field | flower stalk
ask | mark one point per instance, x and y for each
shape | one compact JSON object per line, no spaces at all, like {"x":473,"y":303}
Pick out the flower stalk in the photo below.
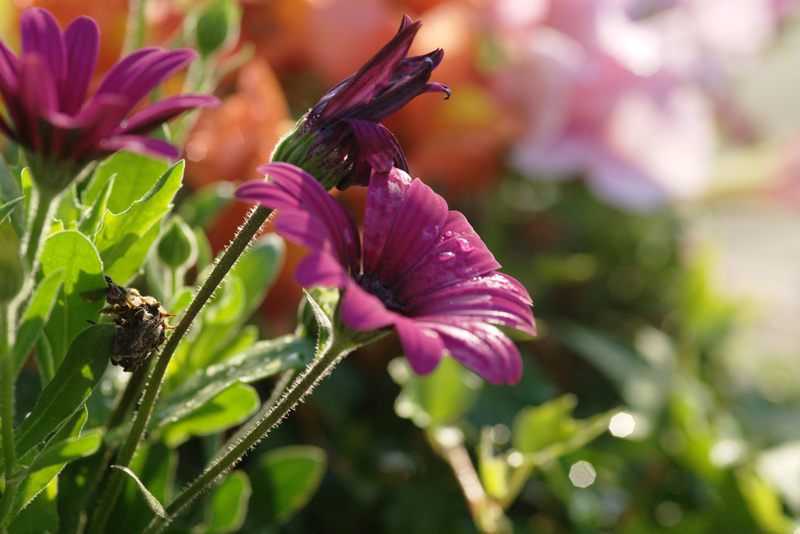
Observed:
{"x":240,"y":243}
{"x":7,"y":407}
{"x":301,"y":387}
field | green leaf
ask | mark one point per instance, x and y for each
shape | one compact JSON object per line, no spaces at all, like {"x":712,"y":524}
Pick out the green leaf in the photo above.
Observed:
{"x":121,"y":231}
{"x":155,"y":467}
{"x":92,"y":218}
{"x":8,"y":207}
{"x":227,"y":409}
{"x":9,"y":190}
{"x":284,"y":481}
{"x":68,"y":449}
{"x":264,"y":359}
{"x":78,"y":375}
{"x":152,"y":502}
{"x":41,"y":515}
{"x":130,"y":263}
{"x":549,"y":430}
{"x":229,"y":504}
{"x":83,"y":275}
{"x":324,"y":325}
{"x":135,"y":175}
{"x":438,"y":398}
{"x":35,"y":317}
{"x":236,"y":300}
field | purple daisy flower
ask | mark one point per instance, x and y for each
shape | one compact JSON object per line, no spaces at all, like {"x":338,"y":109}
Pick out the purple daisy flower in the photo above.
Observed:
{"x":419,"y":268}
{"x":45,"y":89}
{"x":342,"y":136}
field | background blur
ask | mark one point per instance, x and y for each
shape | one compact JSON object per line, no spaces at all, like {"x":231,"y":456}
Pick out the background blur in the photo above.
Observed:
{"x":636,"y":165}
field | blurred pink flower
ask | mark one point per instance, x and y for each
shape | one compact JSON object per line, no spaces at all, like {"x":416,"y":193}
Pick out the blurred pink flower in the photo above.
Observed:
{"x":418,"y":268}
{"x":601,"y":100}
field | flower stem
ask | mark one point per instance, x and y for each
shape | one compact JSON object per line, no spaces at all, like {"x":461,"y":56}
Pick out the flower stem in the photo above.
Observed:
{"x":303,"y":385}
{"x":7,"y":406}
{"x":44,"y":206}
{"x":134,"y":33}
{"x":225,"y":263}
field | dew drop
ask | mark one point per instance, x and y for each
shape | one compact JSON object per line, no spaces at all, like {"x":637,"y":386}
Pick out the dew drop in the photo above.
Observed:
{"x":446,"y":256}
{"x":448,"y":233}
{"x":464,"y":245}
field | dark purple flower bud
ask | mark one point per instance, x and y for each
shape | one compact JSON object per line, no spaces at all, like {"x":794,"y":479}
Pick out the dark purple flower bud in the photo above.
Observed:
{"x":45,"y":94}
{"x":341,"y":139}
{"x":418,"y":268}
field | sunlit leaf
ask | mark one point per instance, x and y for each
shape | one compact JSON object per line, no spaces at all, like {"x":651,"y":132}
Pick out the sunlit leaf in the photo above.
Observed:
{"x":229,"y":504}
{"x":284,"y":481}
{"x":227,"y":409}
{"x":151,"y":501}
{"x":263,"y":359}
{"x":36,"y":315}
{"x":75,"y":379}
{"x":438,"y":398}
{"x":83,"y":275}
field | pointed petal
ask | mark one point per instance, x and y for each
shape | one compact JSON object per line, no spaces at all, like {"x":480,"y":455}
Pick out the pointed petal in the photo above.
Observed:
{"x":9,"y":72}
{"x":375,"y":143}
{"x":160,"y":112}
{"x":371,"y":78}
{"x":82,"y":38}
{"x":37,"y":100}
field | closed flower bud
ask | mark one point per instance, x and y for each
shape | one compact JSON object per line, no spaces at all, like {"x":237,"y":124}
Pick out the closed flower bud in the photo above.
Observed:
{"x":217,"y":26}
{"x":177,"y":247}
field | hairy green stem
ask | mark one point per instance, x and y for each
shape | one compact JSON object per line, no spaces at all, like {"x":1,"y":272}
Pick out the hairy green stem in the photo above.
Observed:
{"x":7,"y":406}
{"x":225,"y":263}
{"x":303,"y":385}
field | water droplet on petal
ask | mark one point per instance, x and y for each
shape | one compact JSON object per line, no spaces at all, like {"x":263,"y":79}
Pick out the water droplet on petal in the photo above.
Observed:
{"x":464,"y":245}
{"x":446,"y":256}
{"x":448,"y":233}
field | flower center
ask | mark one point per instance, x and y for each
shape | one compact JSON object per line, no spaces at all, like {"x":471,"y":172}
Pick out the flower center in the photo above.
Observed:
{"x":374,"y":286}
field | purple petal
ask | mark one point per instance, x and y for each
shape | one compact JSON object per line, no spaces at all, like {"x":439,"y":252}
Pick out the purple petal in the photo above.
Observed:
{"x":160,"y":112}
{"x":97,"y":120}
{"x":121,"y":71}
{"x":375,"y":143}
{"x":421,"y":345}
{"x":151,"y":70}
{"x":372,"y":77}
{"x":307,"y":230}
{"x":459,"y":255}
{"x":37,"y":100}
{"x":140,"y":145}
{"x":82,"y":38}
{"x":483,"y":349}
{"x":9,"y":71}
{"x":294,"y":188}
{"x":363,"y":311}
{"x":496,"y":299}
{"x":415,"y":227}
{"x":320,"y":269}
{"x":384,"y":199}
{"x":40,"y":34}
